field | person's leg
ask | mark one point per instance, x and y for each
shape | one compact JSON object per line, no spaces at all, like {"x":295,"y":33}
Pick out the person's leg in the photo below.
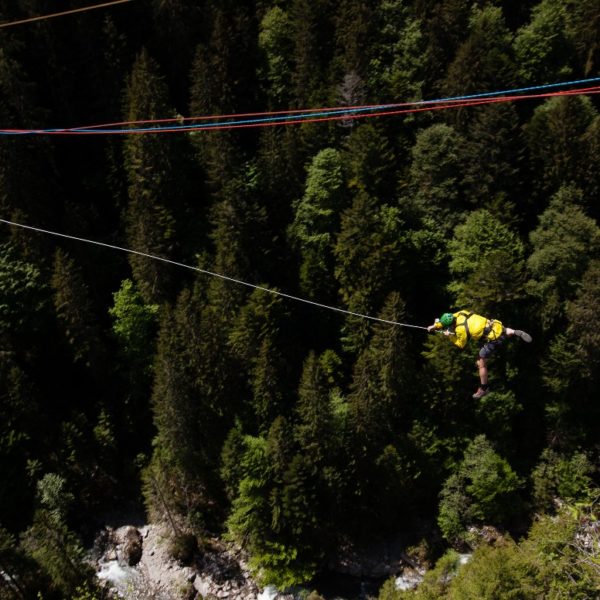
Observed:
{"x":485,"y":351}
{"x":483,"y":372}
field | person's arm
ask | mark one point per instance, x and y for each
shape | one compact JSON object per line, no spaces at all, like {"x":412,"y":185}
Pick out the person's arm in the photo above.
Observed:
{"x":436,"y":325}
{"x":459,"y":337}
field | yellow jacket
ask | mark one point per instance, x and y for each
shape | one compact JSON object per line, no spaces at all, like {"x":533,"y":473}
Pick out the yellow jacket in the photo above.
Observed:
{"x":469,"y":325}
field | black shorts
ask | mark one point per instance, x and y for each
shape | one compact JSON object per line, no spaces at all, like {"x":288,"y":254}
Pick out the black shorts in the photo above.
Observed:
{"x":490,"y":347}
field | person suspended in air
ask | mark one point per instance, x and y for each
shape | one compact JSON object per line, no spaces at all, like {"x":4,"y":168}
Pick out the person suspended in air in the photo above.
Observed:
{"x":464,"y":325}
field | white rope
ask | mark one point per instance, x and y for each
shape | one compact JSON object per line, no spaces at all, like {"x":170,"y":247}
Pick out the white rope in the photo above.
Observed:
{"x":212,"y":274}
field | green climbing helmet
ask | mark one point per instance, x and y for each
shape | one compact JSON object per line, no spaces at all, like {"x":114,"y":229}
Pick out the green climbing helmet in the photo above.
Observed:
{"x":447,"y":319}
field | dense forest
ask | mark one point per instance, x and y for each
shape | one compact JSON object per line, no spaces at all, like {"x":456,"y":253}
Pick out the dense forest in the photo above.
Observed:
{"x":294,"y":431}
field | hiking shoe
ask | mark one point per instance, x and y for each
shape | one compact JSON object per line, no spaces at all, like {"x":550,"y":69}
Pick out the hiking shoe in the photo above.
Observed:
{"x":480,"y":393}
{"x":523,"y":335}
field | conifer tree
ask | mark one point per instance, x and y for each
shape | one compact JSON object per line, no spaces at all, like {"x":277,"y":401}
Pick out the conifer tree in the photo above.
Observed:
{"x":311,"y":37}
{"x":316,"y":222}
{"x":555,"y":140}
{"x":444,"y":24}
{"x":542,"y":47}
{"x":564,"y":242}
{"x":27,"y":167}
{"x":257,"y":343}
{"x":275,"y":42}
{"x":75,"y":311}
{"x":398,"y":51}
{"x":379,"y":411}
{"x":51,"y":543}
{"x":370,"y":162}
{"x":435,"y":176}
{"x":484,"y":489}
{"x":19,"y":405}
{"x":487,"y":271}
{"x":493,"y":154}
{"x":582,"y":19}
{"x":150,"y":162}
{"x":484,"y":60}
{"x":367,"y":261}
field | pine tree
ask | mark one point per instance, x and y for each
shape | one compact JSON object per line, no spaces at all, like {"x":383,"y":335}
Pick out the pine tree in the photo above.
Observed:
{"x":275,"y":42}
{"x":444,"y":25}
{"x":370,"y":162}
{"x":257,"y":343}
{"x":27,"y":166}
{"x":484,"y":61}
{"x":367,"y":252}
{"x":397,"y":58}
{"x":314,"y":431}
{"x":555,"y":140}
{"x":379,"y":412}
{"x":582,"y":19}
{"x":194,"y":400}
{"x":492,"y":155}
{"x":564,"y":242}
{"x":380,"y":398}
{"x":542,"y":47}
{"x":19,"y":405}
{"x":75,"y":311}
{"x":153,"y":184}
{"x":51,"y":543}
{"x":484,"y":489}
{"x":316,"y":222}
{"x":435,"y":178}
{"x":487,"y":271}
{"x":311,"y":52}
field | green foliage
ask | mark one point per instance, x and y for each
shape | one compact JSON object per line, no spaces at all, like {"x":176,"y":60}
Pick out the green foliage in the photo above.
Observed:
{"x":484,"y":489}
{"x":555,"y":137}
{"x":369,"y":159}
{"x":317,"y":221}
{"x":552,"y":562}
{"x":484,"y":60}
{"x":542,"y":49}
{"x":151,"y":177}
{"x":367,"y":261}
{"x":74,"y":310}
{"x":563,"y":243}
{"x":303,"y":432}
{"x":559,"y":477}
{"x":486,"y":262}
{"x":435,"y":175}
{"x":134,"y":324}
{"x":23,"y":293}
{"x":397,"y":64}
{"x":50,"y":542}
{"x":275,"y":41}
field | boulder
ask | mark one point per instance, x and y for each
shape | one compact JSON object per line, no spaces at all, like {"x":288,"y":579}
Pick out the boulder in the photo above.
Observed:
{"x":132,"y":546}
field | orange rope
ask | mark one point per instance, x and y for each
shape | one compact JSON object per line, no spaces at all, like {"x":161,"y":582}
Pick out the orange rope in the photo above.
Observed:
{"x":63,"y":13}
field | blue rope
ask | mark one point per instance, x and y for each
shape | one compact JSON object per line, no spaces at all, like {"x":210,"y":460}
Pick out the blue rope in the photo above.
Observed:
{"x":288,"y":118}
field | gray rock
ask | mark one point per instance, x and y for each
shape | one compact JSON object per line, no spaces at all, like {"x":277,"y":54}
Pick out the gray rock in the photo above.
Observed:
{"x":132,"y":546}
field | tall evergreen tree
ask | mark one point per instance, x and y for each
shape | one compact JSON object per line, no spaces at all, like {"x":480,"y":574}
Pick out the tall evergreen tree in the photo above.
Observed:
{"x":484,"y":61}
{"x":397,"y":58}
{"x":487,"y":271}
{"x":276,"y":43}
{"x":150,"y":162}
{"x":435,"y":176}
{"x":27,"y":167}
{"x":75,"y":311}
{"x":317,"y":220}
{"x":555,"y":140}
{"x":564,"y":242}
{"x":542,"y":48}
{"x":367,"y":256}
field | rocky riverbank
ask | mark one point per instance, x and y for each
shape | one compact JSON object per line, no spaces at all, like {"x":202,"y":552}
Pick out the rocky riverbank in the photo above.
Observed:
{"x":137,"y":563}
